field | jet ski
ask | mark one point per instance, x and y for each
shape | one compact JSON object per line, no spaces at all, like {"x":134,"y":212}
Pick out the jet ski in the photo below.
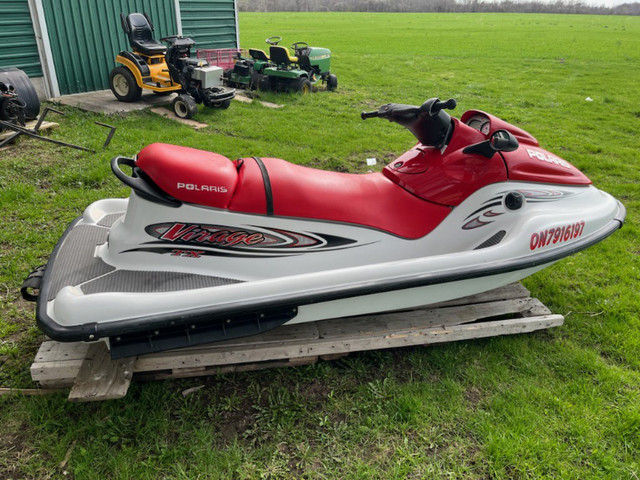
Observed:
{"x":207,"y":249}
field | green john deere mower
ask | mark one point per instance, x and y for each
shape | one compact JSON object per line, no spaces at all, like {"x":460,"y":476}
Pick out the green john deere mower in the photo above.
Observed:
{"x":279,"y":71}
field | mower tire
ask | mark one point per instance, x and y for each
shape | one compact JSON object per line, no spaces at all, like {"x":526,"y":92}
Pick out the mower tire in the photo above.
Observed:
{"x":222,"y":105}
{"x":302,"y":85}
{"x":264,"y":83}
{"x":185,"y":106}
{"x":123,"y":85}
{"x":332,"y":82}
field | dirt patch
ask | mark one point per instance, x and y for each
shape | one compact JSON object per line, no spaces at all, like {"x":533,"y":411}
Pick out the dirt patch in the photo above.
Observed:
{"x":14,"y":451}
{"x":474,"y":396}
{"x":315,"y":391}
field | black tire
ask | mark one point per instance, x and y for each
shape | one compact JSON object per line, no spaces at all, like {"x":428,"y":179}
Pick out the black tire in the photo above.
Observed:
{"x":254,"y":83}
{"x":264,"y":83}
{"x":222,"y":105}
{"x":332,"y":82}
{"x":185,"y":106}
{"x":123,"y":85}
{"x":25,"y":89}
{"x":302,"y":85}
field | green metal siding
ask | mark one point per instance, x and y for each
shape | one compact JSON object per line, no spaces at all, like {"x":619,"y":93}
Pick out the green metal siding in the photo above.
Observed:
{"x":211,"y":23}
{"x":18,"y":47}
{"x":86,"y":35}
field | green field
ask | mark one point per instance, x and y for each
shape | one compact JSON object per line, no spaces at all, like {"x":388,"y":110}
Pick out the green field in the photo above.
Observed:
{"x":561,"y":404}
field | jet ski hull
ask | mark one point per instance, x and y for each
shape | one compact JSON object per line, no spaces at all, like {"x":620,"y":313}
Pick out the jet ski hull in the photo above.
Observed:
{"x":128,"y":271}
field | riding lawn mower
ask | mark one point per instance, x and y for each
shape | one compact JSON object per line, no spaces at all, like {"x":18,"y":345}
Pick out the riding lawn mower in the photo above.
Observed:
{"x":165,"y":70}
{"x":280,"y":71}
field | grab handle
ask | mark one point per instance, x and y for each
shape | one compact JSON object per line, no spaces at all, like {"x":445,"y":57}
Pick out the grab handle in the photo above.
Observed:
{"x":140,"y":184}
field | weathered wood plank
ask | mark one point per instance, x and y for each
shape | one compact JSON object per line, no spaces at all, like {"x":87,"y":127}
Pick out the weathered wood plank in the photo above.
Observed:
{"x":224,"y":356}
{"x":537,"y":308}
{"x":285,"y":340}
{"x":438,"y":335}
{"x":52,"y":351}
{"x":419,"y":319}
{"x":513,"y":290}
{"x":59,"y":361}
{"x":43,"y":371}
{"x":30,"y":391}
{"x":101,"y":378}
{"x":219,"y":370}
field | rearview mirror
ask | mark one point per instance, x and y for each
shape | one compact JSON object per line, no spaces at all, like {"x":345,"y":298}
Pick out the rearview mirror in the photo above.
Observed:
{"x":503,"y":141}
{"x":500,"y":141}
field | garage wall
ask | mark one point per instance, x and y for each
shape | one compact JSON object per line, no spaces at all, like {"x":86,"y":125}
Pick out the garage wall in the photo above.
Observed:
{"x":85,"y":36}
{"x":211,"y":23}
{"x":18,"y":47}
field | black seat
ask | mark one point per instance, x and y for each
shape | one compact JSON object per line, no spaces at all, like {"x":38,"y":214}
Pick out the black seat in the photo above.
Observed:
{"x":280,"y":56}
{"x":139,"y":30}
{"x":257,"y":54}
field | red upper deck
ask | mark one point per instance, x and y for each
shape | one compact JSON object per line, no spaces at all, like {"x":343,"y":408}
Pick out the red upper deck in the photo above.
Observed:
{"x":209,"y":179}
{"x":416,"y":192}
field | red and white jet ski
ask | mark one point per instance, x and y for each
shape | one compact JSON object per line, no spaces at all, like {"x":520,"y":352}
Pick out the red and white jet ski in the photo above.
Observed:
{"x":206,"y":248}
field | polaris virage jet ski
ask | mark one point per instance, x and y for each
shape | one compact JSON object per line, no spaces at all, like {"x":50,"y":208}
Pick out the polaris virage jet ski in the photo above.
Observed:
{"x":206,"y":248}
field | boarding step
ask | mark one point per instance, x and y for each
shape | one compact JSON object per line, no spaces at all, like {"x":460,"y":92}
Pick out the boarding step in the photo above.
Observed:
{"x":93,"y":375}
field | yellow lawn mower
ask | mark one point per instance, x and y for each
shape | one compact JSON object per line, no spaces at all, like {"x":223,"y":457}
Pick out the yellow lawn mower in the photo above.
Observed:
{"x":164,"y":70}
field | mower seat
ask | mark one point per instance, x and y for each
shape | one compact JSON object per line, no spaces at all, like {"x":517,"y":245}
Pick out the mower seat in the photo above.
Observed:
{"x":139,"y":30}
{"x":257,"y":54}
{"x":280,"y":55}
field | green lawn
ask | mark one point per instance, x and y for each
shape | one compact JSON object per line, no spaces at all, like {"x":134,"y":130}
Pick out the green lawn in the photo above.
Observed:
{"x":560,"y":404}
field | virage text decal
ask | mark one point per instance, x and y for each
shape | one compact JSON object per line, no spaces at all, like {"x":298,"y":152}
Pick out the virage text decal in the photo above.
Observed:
{"x":556,"y":235}
{"x":220,"y":239}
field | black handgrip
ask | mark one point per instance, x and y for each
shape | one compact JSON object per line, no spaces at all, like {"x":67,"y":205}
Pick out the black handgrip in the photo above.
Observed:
{"x":448,"y":105}
{"x":365,"y":115}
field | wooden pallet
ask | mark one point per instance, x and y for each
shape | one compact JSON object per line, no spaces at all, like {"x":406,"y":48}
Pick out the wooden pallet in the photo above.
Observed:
{"x":91,"y":373}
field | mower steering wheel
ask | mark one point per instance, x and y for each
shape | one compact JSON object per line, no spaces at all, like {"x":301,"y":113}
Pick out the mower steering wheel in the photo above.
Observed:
{"x":299,"y":45}
{"x":275,"y":40}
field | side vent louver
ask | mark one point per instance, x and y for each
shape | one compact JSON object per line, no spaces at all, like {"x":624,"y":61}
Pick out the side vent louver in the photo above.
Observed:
{"x":496,"y":239}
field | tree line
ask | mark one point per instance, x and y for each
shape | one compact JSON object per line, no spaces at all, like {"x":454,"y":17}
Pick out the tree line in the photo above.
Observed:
{"x":559,"y":6}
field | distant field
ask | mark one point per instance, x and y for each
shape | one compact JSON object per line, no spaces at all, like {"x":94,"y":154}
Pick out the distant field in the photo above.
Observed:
{"x":561,"y":404}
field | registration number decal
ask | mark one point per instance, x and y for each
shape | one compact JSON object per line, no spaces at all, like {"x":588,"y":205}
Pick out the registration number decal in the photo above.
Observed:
{"x":556,"y":235}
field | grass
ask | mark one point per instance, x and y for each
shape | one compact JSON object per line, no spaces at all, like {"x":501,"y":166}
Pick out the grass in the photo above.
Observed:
{"x":558,"y":404}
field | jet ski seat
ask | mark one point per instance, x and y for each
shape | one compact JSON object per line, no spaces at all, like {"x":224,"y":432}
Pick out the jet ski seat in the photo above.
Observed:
{"x":271,"y":186}
{"x":188,"y":174}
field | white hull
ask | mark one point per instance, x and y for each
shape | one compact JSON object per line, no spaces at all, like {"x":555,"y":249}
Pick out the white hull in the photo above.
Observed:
{"x":375,"y":258}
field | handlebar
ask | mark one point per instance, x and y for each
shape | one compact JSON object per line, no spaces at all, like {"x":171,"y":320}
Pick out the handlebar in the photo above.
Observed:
{"x":431,"y":108}
{"x":429,"y":123}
